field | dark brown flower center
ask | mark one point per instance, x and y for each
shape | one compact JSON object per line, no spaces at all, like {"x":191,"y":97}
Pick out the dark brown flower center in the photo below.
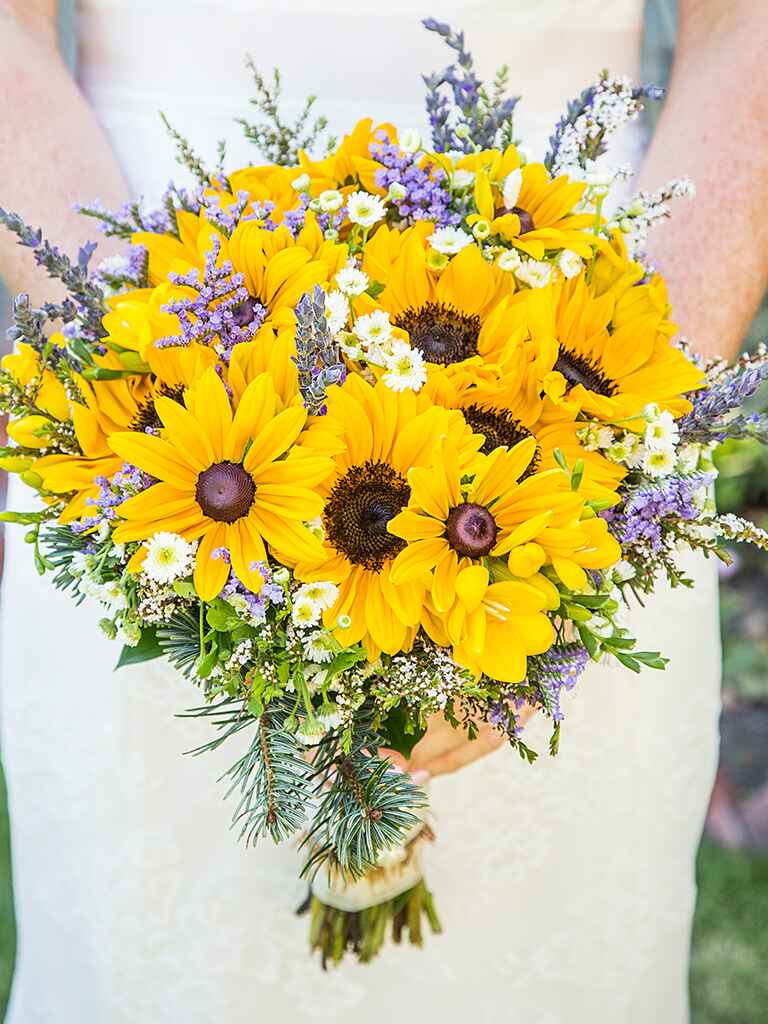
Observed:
{"x":578,"y":370}
{"x":526,"y":220}
{"x":357,"y":512}
{"x":244,"y":313}
{"x":441,"y":333}
{"x":471,"y":530}
{"x":500,"y":429}
{"x":225,"y":492}
{"x":146,"y":417}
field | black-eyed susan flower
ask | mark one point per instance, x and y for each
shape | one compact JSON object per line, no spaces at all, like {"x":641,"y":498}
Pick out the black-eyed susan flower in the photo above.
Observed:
{"x":383,"y":435}
{"x":238,"y":482}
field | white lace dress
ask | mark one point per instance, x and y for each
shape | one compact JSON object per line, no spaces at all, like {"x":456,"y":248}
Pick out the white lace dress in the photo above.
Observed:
{"x":566,"y":889}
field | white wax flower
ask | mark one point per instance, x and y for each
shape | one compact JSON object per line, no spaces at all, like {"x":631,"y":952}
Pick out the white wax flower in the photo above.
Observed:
{"x":321,"y":592}
{"x":409,"y":140}
{"x":534,"y":273}
{"x":169,"y":556}
{"x":351,"y":281}
{"x":659,"y":461}
{"x":373,"y":328}
{"x":570,"y":263}
{"x":330,"y":200}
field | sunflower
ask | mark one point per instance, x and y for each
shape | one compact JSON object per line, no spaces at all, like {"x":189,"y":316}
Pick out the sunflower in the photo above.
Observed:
{"x":108,"y":406}
{"x":523,"y":204}
{"x":457,"y":315}
{"x":382,"y":434}
{"x":51,"y":402}
{"x":496,"y":404}
{"x":277,"y":268}
{"x":584,"y":361}
{"x":223,"y":480}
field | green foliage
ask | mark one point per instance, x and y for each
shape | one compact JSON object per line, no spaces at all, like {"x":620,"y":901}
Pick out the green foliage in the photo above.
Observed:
{"x":179,"y":639}
{"x":399,"y":731}
{"x":364,"y":806}
{"x":186,"y":156}
{"x":280,"y":143}
{"x":272,"y":779}
{"x":147,"y":649}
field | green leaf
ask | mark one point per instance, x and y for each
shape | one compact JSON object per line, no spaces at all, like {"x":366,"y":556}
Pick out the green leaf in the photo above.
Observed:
{"x":184,"y":589}
{"x":400,"y":732}
{"x":577,"y":474}
{"x":561,"y":460}
{"x":221,"y":617}
{"x":147,"y":649}
{"x":346,"y":660}
{"x":206,"y":663}
{"x":25,"y":518}
{"x":589,"y":640}
{"x":374,"y":289}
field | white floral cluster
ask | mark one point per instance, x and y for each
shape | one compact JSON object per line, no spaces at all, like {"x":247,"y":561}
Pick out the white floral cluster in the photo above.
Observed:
{"x":426,"y":678}
{"x":372,"y":338}
{"x":111,"y":594}
{"x":613,"y":105}
{"x":239,"y":659}
{"x":310,"y":600}
{"x":656,"y":451}
{"x":644,"y":210}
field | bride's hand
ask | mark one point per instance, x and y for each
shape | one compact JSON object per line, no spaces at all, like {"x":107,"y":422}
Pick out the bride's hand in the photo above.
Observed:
{"x":443,"y":749}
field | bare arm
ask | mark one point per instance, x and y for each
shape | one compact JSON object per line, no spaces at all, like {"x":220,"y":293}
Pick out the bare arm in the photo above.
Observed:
{"x":714,"y":250}
{"x":52,"y":150}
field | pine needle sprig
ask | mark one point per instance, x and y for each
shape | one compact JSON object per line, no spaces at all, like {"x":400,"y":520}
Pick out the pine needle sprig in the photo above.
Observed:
{"x":272,"y":778}
{"x":364,"y":806}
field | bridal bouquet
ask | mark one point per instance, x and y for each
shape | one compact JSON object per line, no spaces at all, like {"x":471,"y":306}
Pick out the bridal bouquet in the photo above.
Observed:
{"x":357,"y":440}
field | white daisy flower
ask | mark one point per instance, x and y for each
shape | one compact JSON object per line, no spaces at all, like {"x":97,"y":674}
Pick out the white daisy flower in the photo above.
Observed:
{"x":462,"y":178}
{"x":319,"y":647}
{"x":321,"y":592}
{"x":570,"y":263}
{"x":534,"y":273}
{"x":301,"y":184}
{"x":662,"y":431}
{"x":169,"y":557}
{"x":409,"y":140}
{"x":396,"y":192}
{"x":510,"y":190}
{"x":509,"y":260}
{"x":373,"y":328}
{"x":623,"y":571}
{"x":351,"y":281}
{"x":305,"y":612}
{"x":79,"y":563}
{"x":336,"y":311}
{"x":406,"y":370}
{"x":111,"y":595}
{"x":365,"y":209}
{"x":604,"y":437}
{"x":449,"y":240}
{"x":659,"y":461}
{"x":330,"y":201}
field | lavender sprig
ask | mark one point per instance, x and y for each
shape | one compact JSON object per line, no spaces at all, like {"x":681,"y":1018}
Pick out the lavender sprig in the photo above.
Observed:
{"x":715,"y":415}
{"x":475,"y":118}
{"x":87,"y":295}
{"x":590,"y":120}
{"x":318,"y":357}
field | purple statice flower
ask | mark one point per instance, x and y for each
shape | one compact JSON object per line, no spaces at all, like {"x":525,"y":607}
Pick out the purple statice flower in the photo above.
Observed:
{"x":270,"y":593}
{"x":317,"y":358}
{"x":225,"y":218}
{"x":426,"y":195}
{"x":263,"y":213}
{"x":294,"y":219}
{"x":221,"y":308}
{"x":651,"y":514}
{"x":113,"y":491}
{"x":715,"y":414}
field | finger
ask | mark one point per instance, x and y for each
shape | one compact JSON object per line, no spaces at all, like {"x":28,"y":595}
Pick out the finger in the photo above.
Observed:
{"x":397,"y":760}
{"x":487,"y":741}
{"x":439,"y":738}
